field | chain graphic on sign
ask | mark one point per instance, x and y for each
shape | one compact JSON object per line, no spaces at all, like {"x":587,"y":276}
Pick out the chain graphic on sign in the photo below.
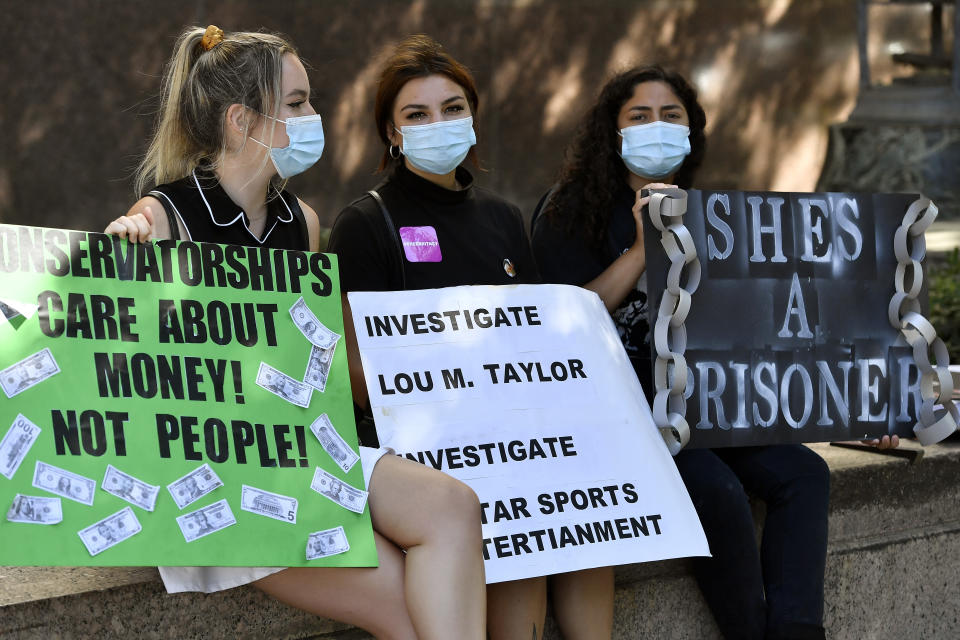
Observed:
{"x":669,"y":332}
{"x":905,"y":315}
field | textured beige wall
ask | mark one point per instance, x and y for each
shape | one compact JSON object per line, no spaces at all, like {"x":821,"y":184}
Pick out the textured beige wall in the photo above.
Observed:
{"x":79,"y":80}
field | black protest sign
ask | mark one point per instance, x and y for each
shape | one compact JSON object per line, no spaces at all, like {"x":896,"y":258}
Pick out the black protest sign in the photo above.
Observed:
{"x":788,"y":337}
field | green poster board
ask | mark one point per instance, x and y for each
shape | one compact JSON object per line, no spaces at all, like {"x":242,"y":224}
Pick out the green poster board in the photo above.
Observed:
{"x":127,"y":369}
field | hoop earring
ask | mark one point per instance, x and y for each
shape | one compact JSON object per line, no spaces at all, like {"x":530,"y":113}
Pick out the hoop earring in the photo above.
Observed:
{"x":390,"y":151}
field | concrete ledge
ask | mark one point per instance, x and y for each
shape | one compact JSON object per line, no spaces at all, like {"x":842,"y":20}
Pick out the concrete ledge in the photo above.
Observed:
{"x":145,"y":610}
{"x":892,"y":565}
{"x":892,"y":572}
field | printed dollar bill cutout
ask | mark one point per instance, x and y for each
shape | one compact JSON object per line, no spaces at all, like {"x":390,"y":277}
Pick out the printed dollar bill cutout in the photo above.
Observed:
{"x":206,"y":520}
{"x":110,"y":531}
{"x":15,"y":444}
{"x":332,"y":443}
{"x":321,"y":544}
{"x":126,"y":487}
{"x":340,"y":492}
{"x":35,"y":510}
{"x":312,"y":329}
{"x":265,"y":503}
{"x":280,"y":384}
{"x":30,"y":371}
{"x":64,"y":483}
{"x":318,"y":367}
{"x":194,"y":485}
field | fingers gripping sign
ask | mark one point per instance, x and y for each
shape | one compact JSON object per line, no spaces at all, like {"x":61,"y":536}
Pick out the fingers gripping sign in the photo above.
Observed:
{"x":886,"y":442}
{"x":643,"y":199}
{"x":136,"y":227}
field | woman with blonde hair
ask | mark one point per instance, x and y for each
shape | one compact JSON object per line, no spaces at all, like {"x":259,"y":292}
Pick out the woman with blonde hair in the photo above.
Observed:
{"x":235,"y":122}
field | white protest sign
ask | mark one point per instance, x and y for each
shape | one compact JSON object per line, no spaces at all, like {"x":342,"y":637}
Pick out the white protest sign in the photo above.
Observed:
{"x":526,"y":394}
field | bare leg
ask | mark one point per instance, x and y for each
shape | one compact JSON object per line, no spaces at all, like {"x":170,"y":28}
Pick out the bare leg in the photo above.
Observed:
{"x":372,"y":599}
{"x":583,"y":603}
{"x":437,"y":520}
{"x":516,"y":609}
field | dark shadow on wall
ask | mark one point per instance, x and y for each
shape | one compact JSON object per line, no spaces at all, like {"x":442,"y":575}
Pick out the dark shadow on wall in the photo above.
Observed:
{"x":80,"y":82}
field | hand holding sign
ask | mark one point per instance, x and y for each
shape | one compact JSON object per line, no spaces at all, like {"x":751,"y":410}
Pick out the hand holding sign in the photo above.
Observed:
{"x":136,"y":228}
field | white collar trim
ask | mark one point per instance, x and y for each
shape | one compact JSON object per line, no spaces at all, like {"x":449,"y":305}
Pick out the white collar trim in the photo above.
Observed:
{"x":241,"y":216}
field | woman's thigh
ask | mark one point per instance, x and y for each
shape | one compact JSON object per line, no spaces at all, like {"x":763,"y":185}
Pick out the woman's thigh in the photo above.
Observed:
{"x":770,"y":472}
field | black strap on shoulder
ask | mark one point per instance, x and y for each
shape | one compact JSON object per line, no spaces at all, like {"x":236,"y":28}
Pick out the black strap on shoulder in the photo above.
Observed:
{"x":174,"y":227}
{"x":392,"y":235}
{"x":541,"y":206}
{"x":171,"y":218}
{"x":299,"y":216}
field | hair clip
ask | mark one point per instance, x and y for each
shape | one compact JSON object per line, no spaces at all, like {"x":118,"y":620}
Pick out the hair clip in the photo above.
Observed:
{"x":211,"y":37}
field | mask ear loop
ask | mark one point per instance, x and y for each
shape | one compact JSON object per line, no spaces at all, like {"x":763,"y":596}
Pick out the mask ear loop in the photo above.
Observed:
{"x":272,"y":128}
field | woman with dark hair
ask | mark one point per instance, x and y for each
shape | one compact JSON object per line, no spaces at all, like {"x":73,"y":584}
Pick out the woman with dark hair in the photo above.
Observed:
{"x":428,"y":225}
{"x":591,"y":216}
{"x":646,"y":130}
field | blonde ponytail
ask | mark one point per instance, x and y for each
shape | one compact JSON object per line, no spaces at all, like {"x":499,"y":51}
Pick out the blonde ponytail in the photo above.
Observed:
{"x":199,"y":85}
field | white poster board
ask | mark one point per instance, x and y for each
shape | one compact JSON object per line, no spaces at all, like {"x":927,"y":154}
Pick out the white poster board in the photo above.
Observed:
{"x":526,"y":394}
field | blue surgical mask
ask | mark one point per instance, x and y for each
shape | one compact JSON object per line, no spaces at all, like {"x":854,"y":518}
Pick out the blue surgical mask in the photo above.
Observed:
{"x":655,"y":149}
{"x":438,"y":147}
{"x":303,"y":150}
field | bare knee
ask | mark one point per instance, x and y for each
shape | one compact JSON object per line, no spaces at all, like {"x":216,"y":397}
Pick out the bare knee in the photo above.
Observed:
{"x":449,"y":517}
{"x":455,"y":504}
{"x":453,"y":510}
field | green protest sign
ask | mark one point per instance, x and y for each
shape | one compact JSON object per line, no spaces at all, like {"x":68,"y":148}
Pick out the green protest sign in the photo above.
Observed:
{"x":174,"y":403}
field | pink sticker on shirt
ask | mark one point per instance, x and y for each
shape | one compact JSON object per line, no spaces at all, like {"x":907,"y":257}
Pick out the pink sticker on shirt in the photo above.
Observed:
{"x":420,"y":244}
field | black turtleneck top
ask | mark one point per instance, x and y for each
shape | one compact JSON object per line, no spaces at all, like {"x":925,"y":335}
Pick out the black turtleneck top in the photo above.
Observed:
{"x":448,"y":238}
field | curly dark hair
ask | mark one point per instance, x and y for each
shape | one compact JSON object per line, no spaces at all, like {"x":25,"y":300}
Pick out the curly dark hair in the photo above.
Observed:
{"x":593,"y":172}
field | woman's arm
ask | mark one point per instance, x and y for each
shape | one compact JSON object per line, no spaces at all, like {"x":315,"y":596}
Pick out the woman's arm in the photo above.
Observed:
{"x":144,"y":221}
{"x":621,"y":276}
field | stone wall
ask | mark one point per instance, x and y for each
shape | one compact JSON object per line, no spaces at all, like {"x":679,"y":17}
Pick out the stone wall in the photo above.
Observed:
{"x":891,"y":571}
{"x":79,"y":83}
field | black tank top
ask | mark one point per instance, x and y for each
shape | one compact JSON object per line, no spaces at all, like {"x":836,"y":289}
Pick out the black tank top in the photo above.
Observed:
{"x":209,"y":215}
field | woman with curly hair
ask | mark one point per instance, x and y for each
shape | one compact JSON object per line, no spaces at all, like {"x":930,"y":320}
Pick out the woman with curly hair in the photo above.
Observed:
{"x":645,"y":131}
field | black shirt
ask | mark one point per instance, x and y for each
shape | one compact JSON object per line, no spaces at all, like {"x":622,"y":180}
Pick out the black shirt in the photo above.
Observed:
{"x":209,"y":215}
{"x":568,"y":259}
{"x":449,"y":238}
